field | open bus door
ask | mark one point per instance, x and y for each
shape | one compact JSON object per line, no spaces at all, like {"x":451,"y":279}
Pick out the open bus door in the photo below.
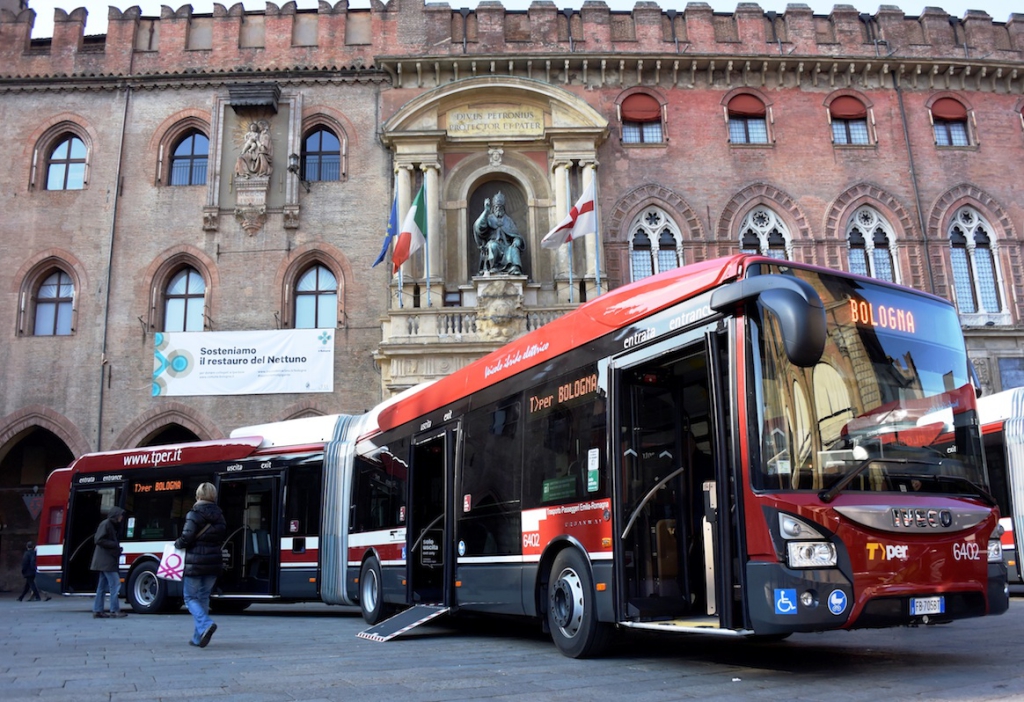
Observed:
{"x":89,"y":507}
{"x":429,"y":549}
{"x":252,"y":510}
{"x":671,"y":537}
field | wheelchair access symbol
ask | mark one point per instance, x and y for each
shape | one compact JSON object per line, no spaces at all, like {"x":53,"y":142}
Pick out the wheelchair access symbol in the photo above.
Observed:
{"x":785,"y":600}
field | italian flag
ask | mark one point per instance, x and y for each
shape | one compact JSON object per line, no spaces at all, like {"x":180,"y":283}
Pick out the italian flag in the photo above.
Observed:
{"x":413,"y":234}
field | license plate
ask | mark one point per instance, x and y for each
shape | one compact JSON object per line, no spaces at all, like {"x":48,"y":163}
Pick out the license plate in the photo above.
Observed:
{"x":927,"y":605}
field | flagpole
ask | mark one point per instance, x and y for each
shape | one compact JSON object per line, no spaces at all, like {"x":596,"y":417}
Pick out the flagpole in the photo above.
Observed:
{"x":597,"y":234}
{"x":568,"y":203}
{"x":426,"y":233}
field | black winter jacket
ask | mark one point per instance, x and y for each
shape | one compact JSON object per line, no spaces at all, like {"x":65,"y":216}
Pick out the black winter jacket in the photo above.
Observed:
{"x":203,"y":550}
{"x":107,"y":552}
{"x":28,"y":564}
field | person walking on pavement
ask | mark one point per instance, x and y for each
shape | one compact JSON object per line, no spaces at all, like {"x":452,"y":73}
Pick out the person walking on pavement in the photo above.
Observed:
{"x":105,"y":558}
{"x":201,"y":539}
{"x":28,"y":571}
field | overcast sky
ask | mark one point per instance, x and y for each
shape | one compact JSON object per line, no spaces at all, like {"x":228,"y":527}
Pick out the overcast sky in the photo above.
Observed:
{"x":97,"y":22}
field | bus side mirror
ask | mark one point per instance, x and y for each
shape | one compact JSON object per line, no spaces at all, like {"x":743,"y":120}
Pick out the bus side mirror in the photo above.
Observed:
{"x":794,"y":302}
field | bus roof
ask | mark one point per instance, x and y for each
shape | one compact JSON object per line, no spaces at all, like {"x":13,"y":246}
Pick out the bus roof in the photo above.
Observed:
{"x":613,"y":310}
{"x":292,"y":432}
{"x":170,"y":454}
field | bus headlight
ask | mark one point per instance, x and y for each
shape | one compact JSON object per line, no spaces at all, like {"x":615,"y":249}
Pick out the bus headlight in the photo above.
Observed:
{"x":995,"y":551}
{"x":811,"y":554}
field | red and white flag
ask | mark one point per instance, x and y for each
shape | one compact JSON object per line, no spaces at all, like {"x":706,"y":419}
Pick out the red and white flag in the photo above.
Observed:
{"x":581,"y":221}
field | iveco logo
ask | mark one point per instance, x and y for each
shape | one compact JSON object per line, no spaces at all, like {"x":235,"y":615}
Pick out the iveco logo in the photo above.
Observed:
{"x":919,"y":518}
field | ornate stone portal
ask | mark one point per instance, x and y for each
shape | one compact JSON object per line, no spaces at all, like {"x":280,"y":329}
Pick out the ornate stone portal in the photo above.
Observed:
{"x":253,"y":169}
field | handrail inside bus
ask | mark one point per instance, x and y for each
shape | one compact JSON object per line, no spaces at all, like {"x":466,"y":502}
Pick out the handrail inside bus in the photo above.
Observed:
{"x":648,"y":496}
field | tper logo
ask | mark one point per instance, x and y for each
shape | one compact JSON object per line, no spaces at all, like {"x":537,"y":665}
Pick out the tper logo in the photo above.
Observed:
{"x":887,"y":552}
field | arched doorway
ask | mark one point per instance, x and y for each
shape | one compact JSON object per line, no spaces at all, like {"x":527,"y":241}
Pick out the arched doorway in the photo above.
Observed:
{"x":170,"y":434}
{"x":25,"y":462}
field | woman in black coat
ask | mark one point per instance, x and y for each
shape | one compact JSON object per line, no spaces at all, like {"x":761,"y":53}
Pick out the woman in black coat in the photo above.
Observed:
{"x":202,"y":539}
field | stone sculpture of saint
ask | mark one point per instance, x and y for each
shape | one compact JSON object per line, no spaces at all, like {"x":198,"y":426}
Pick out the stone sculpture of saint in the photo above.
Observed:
{"x":256,"y":157}
{"x":501,"y":246}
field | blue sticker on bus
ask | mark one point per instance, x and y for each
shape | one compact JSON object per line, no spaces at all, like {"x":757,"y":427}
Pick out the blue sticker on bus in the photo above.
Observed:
{"x":837,"y":602}
{"x":785,"y":600}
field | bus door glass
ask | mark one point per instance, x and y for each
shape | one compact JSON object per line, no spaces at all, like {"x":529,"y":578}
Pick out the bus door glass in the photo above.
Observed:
{"x":665,"y":453}
{"x":429,"y":553}
{"x":252,"y":511}
{"x":89,"y":507}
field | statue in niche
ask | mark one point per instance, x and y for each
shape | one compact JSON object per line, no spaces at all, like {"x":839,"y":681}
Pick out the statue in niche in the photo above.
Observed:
{"x":255,"y":160}
{"x":501,"y":246}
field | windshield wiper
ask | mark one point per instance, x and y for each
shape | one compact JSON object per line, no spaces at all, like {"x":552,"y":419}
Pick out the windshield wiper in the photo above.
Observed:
{"x":832,"y":492}
{"x":984,"y":494}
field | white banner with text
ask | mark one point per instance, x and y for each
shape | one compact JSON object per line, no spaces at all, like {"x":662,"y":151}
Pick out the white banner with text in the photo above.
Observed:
{"x":243,"y":363}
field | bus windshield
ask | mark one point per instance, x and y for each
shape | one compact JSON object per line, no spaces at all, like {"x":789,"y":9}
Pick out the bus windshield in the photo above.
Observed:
{"x":889,"y":407}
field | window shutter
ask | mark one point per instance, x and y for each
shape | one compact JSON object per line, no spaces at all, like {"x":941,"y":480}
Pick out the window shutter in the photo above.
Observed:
{"x":640,"y":107}
{"x":746,"y":106}
{"x":846,"y":107}
{"x":949,"y":109}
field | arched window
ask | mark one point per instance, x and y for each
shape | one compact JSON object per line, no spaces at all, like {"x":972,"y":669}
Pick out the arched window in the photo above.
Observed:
{"x":54,"y":303}
{"x":869,"y":237}
{"x":975,"y":269}
{"x":185,"y":301}
{"x":747,"y":123}
{"x":189,"y":159}
{"x":321,"y":156}
{"x":655,"y":245}
{"x":849,"y":119}
{"x":65,"y":166}
{"x":949,"y":119}
{"x":762,"y":232}
{"x":316,"y":299}
{"x":641,"y":120}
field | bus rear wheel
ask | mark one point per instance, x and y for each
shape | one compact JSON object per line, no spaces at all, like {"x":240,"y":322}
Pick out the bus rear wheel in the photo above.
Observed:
{"x":146,"y":592}
{"x":572,"y":608}
{"x":371,"y":592}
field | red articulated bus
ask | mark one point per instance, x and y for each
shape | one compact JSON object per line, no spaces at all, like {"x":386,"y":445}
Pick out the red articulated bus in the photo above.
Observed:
{"x":1002,"y":429}
{"x":743,"y":447}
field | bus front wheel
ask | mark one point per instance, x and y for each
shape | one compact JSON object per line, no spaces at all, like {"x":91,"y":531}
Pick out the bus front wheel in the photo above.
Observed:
{"x":146,"y":592}
{"x":371,"y":592}
{"x":572,"y":608}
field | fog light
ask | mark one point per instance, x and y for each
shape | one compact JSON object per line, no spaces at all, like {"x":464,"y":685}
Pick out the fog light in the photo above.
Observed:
{"x":811,"y":554}
{"x":808,"y":599}
{"x":995,"y":551}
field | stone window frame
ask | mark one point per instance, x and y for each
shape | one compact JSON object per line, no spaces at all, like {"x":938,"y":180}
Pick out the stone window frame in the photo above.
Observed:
{"x":877,"y":221}
{"x":169,"y":140}
{"x":317,"y":121}
{"x":869,"y":119}
{"x":162,"y":279}
{"x":653,"y":232}
{"x":28,"y":295}
{"x":47,"y":143}
{"x":768,"y":118}
{"x":316,"y":294}
{"x":295,"y":270}
{"x":970,"y":122}
{"x":662,"y":121}
{"x":763,"y":232}
{"x":979,"y":317}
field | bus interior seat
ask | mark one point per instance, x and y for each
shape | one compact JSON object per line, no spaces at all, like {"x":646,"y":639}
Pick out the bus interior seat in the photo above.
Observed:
{"x":258,"y":553}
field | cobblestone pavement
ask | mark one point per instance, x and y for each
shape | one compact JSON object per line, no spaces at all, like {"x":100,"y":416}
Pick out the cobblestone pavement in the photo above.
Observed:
{"x":56,"y":650}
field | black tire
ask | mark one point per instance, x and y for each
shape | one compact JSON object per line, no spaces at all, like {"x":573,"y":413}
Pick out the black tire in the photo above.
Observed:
{"x":146,"y":593}
{"x":371,"y":592}
{"x":572,"y":608}
{"x":228,"y":606}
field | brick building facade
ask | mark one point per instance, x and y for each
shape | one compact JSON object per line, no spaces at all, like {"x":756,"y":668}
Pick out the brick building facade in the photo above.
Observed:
{"x":879,"y":143}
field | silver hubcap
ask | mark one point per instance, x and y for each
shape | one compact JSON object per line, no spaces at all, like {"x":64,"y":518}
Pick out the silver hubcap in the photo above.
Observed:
{"x":567,"y":603}
{"x":370,"y":589}
{"x":146,"y":588}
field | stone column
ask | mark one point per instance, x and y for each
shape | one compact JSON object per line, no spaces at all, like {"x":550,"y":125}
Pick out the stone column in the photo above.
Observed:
{"x":433,"y":198}
{"x":562,"y":205}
